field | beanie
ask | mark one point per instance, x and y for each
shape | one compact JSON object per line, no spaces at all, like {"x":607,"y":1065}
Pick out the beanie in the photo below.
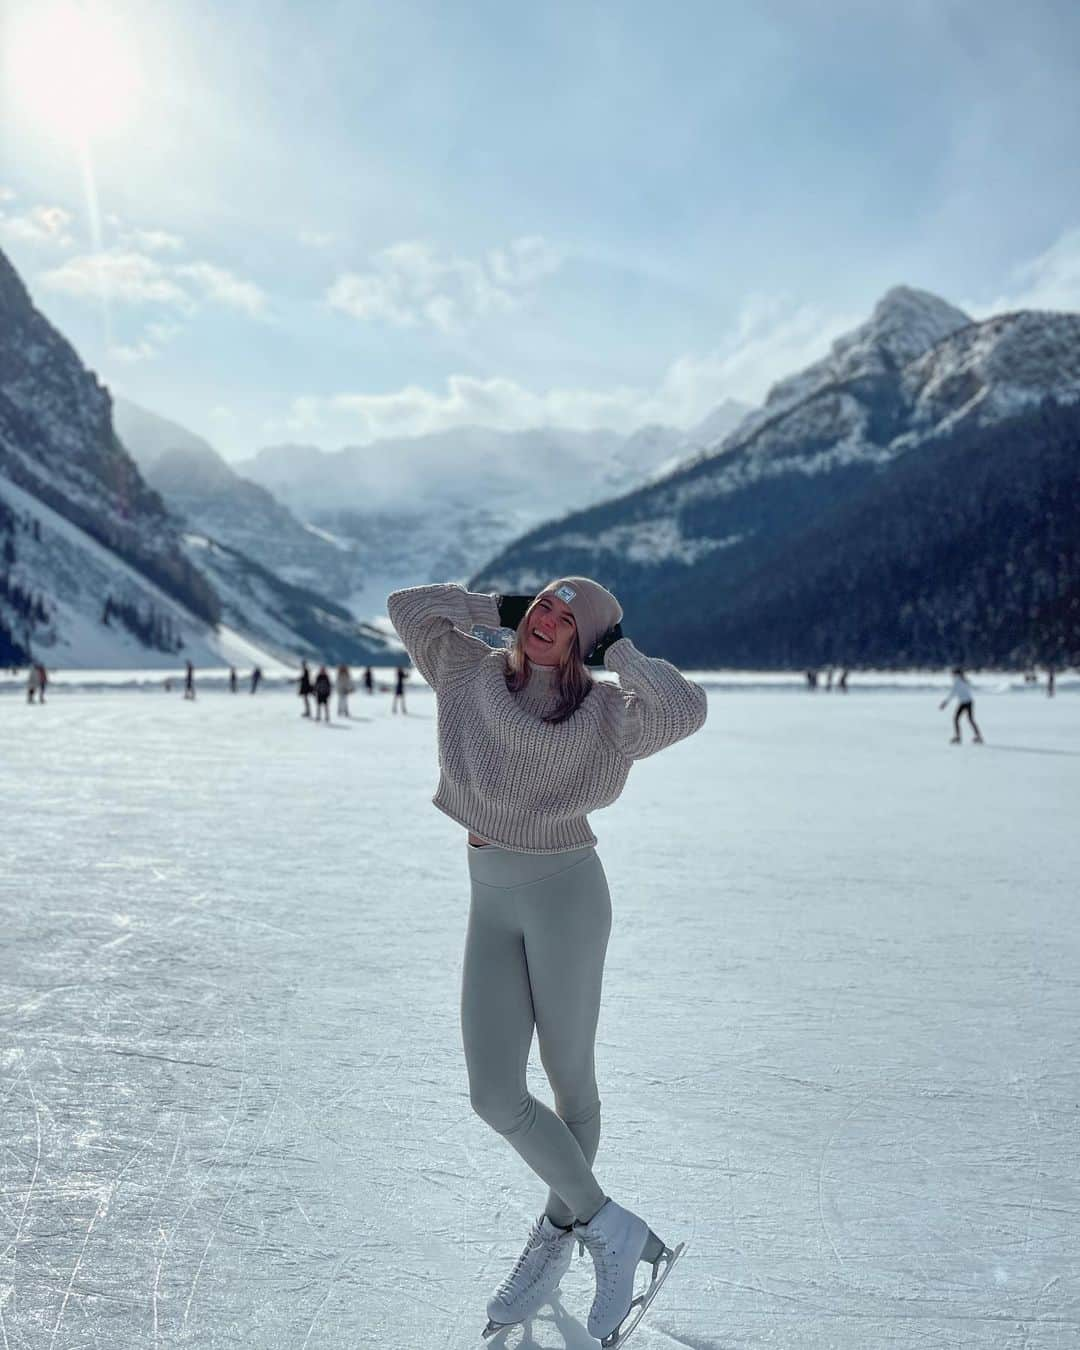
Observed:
{"x":595,"y":610}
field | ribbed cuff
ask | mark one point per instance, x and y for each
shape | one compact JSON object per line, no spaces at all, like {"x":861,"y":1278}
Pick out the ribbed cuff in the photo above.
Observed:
{"x":482,"y":609}
{"x":620,"y":653}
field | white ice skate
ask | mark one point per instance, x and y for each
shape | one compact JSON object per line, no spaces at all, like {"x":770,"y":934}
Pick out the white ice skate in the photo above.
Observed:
{"x":534,"y":1278}
{"x":617,"y":1240}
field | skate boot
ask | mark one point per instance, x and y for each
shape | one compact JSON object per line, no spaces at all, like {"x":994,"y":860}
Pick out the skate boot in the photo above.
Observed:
{"x":534,"y":1278}
{"x":617,"y":1240}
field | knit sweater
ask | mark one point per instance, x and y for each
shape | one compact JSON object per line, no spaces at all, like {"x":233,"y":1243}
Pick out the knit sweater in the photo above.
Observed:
{"x":507,"y":775}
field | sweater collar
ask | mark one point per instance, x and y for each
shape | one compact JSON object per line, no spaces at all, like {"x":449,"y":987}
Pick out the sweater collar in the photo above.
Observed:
{"x":543,"y":676}
{"x":541,"y":692}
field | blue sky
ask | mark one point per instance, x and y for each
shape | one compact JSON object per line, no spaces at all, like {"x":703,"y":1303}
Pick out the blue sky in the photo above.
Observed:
{"x":332,"y":222}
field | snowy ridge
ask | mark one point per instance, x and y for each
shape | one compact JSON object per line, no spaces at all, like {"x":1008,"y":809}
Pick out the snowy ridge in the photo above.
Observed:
{"x":286,"y":620}
{"x":994,"y":369}
{"x":905,"y":324}
{"x":917,"y":368}
{"x":210,"y":498}
{"x":93,"y":571}
{"x":75,"y":574}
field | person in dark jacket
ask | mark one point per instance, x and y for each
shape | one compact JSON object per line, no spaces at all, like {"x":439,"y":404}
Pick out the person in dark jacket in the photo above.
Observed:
{"x":369,"y":680}
{"x":307,"y":688}
{"x":399,"y":689}
{"x":323,"y":685}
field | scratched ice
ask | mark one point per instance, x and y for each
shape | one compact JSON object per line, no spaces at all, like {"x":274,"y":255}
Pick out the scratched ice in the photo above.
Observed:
{"x":838,"y":1049}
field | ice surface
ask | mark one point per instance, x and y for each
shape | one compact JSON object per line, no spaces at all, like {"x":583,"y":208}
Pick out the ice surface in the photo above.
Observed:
{"x":838,"y":1048}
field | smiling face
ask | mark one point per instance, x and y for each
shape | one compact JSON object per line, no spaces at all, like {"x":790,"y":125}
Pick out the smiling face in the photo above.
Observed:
{"x":549,"y":630}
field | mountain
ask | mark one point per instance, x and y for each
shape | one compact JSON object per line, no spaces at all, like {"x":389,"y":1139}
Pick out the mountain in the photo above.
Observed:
{"x":57,"y":444}
{"x":200,"y":487}
{"x":282,"y":617}
{"x":427,"y":508}
{"x":94,"y":570}
{"x":741,"y":555}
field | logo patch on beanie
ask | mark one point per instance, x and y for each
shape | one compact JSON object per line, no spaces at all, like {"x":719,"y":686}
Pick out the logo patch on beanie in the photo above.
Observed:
{"x":566,"y":593}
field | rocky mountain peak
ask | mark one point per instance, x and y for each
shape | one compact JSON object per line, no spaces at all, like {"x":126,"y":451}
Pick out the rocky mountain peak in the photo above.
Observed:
{"x":907,"y":322}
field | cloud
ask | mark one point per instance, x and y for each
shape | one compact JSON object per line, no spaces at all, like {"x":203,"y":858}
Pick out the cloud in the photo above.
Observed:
{"x":1051,"y":280}
{"x":768,"y":340}
{"x":147,"y":346}
{"x":7,"y":194}
{"x":221,"y":286}
{"x":152,"y":241}
{"x":130,"y":277}
{"x":39,"y":225}
{"x":316,"y":238}
{"x":412,"y":284}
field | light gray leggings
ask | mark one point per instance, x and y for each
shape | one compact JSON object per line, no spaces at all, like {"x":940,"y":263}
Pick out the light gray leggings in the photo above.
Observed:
{"x":534,"y":957}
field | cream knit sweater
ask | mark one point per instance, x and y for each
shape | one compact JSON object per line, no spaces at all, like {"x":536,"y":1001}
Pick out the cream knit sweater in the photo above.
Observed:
{"x":507,"y":775}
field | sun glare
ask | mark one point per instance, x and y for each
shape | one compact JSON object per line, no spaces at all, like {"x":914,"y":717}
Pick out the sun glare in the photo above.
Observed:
{"x":73,"y":69}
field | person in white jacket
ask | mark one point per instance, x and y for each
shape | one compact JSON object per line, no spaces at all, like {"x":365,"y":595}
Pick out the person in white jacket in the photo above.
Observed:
{"x":344,"y":684}
{"x":965,"y":703}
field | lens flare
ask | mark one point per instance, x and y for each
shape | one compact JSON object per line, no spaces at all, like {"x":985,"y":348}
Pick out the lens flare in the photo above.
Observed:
{"x":73,"y":69}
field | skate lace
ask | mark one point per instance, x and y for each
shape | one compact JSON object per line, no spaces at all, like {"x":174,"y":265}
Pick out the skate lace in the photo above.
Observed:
{"x":598,"y":1250}
{"x":507,"y":1288}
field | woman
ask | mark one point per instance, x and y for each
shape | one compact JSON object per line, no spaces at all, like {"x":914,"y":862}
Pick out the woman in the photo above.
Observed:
{"x":528,"y":744}
{"x":965,"y":703}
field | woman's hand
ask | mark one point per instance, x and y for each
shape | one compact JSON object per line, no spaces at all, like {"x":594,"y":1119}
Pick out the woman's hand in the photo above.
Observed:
{"x":513,"y":608}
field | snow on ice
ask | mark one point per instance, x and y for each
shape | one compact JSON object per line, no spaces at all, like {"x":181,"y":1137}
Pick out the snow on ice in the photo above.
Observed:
{"x":838,"y":1050}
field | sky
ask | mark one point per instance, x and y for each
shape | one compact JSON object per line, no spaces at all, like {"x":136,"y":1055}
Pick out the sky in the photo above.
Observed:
{"x":332,"y":222}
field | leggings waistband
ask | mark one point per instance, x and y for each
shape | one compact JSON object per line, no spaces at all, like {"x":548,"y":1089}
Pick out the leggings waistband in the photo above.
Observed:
{"x":495,"y":866}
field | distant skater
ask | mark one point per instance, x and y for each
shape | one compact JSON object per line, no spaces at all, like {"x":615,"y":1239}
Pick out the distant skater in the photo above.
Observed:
{"x":965,"y":703}
{"x":189,"y":681}
{"x":232,"y":679}
{"x":33,"y":684}
{"x":322,"y":695}
{"x":399,"y":689}
{"x":306,"y":688}
{"x":343,"y":682}
{"x":256,"y":676}
{"x":1049,"y":681}
{"x":369,"y":680}
{"x":528,"y":744}
{"x":841,"y":683}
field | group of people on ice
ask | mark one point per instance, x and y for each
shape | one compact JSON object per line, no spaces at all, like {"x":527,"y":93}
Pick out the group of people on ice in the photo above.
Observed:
{"x":322,"y":686}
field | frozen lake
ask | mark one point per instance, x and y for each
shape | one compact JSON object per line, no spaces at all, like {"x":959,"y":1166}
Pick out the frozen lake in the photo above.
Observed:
{"x":839,"y":1050}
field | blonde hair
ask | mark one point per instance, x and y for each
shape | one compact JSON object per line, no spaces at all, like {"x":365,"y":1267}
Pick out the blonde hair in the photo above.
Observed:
{"x":572,"y":679}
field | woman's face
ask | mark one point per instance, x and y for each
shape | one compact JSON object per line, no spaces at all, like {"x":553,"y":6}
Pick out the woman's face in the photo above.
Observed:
{"x":549,"y":630}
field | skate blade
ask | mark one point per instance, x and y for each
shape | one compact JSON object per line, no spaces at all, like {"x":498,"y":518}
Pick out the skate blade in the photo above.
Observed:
{"x":493,"y":1329}
{"x":640,"y":1305}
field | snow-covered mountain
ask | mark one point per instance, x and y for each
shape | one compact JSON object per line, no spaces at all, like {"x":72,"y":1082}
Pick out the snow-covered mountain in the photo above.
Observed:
{"x":918,"y":370}
{"x":80,"y":519}
{"x":425,"y":508}
{"x":94,"y":571}
{"x":201,"y":488}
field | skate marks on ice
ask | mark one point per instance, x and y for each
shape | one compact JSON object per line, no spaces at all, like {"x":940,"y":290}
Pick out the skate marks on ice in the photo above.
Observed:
{"x":232,"y":1096}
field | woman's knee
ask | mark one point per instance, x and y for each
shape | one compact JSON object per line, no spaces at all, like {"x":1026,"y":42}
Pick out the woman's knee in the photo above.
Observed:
{"x":572,"y":1075}
{"x":506,"y":1113}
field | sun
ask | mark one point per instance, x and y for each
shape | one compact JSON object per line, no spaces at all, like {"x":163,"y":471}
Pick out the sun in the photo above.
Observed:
{"x":73,"y":69}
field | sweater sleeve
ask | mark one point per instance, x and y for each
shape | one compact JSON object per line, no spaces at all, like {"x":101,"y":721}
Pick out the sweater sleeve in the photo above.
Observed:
{"x":434,"y":622}
{"x":659,"y":705}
